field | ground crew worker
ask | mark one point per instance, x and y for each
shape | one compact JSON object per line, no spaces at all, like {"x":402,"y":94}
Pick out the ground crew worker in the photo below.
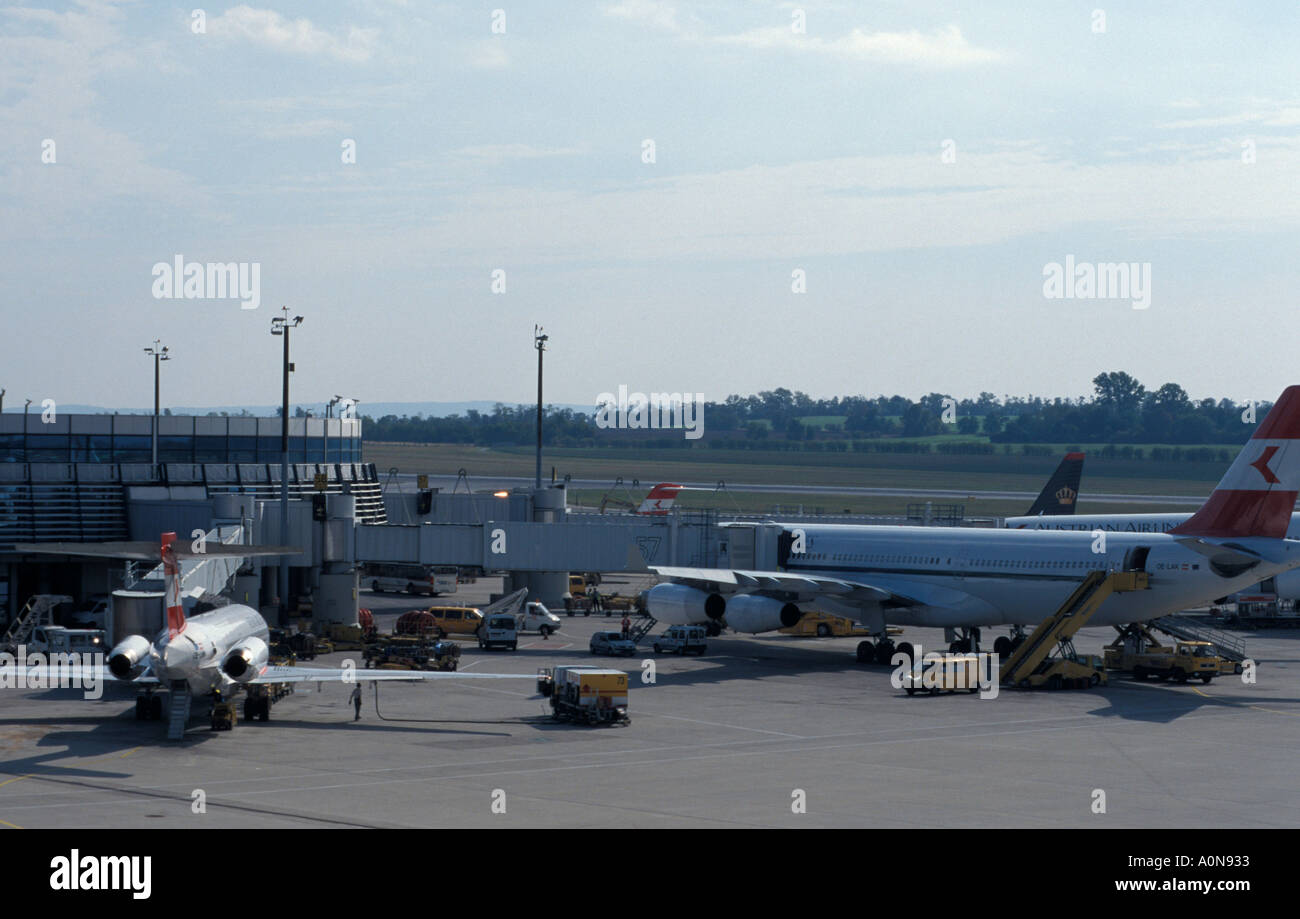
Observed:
{"x":627,"y":626}
{"x":356,"y":701}
{"x":568,"y":603}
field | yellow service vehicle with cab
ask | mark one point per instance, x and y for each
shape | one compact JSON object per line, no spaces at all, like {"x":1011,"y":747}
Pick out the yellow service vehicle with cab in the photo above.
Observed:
{"x":946,"y":673}
{"x":1186,"y":659}
{"x":586,"y":695}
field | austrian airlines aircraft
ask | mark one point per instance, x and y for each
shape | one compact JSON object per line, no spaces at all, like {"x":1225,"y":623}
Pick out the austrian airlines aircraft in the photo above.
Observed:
{"x":217,"y":652}
{"x":954,"y":577}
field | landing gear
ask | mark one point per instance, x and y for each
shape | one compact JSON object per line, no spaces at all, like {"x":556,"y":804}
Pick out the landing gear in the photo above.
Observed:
{"x":866,"y":652}
{"x":1002,"y":646}
{"x":968,"y":642}
{"x":148,"y":707}
{"x":712,"y":629}
{"x":905,"y":648}
{"x":884,"y":651}
{"x":257,"y":708}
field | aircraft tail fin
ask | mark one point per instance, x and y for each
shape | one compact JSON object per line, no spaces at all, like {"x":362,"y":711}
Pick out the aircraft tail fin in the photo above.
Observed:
{"x":1257,"y":494}
{"x":172,"y":577}
{"x":660,"y":499}
{"x":1061,"y":492}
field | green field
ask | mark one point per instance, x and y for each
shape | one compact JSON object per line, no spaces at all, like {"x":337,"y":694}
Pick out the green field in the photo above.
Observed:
{"x":997,"y":472}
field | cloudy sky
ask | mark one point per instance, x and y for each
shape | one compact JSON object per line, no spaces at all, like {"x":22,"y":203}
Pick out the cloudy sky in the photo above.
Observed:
{"x":653,"y":180}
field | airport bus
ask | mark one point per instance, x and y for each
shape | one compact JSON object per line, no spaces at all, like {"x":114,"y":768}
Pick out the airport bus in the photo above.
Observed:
{"x":432,"y":580}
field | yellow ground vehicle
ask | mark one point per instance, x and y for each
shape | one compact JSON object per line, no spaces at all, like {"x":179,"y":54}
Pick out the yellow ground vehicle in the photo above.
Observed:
{"x":344,"y":637}
{"x":826,"y":625}
{"x":577,"y":586}
{"x":1186,"y":659}
{"x":948,"y":673}
{"x":586,"y":695}
{"x":456,"y":620}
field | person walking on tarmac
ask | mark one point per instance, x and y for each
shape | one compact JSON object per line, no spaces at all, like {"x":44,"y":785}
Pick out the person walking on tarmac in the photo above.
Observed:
{"x":356,"y":701}
{"x":594,"y":596}
{"x":627,"y":625}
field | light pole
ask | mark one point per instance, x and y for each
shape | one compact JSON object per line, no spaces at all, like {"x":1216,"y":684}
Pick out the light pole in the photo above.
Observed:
{"x":281,"y":325}
{"x":158,"y":352}
{"x":2,"y":400}
{"x":329,"y":413}
{"x":539,"y":342}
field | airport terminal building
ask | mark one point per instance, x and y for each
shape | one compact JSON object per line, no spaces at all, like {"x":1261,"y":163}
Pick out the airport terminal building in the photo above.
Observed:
{"x":89,"y":478}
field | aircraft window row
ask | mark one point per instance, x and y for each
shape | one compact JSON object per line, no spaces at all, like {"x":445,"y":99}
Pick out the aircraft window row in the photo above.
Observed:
{"x":857,"y":557}
{"x":1022,"y":563}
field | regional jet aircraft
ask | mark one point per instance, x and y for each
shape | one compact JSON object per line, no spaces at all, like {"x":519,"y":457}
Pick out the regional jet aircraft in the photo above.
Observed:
{"x":968,"y":578}
{"x":217,"y":653}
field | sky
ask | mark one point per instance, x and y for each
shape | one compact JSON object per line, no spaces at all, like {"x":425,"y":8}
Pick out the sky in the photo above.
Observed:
{"x":714,"y":197}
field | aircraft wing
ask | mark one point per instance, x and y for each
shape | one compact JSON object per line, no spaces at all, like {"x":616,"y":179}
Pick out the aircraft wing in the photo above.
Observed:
{"x":805,"y":586}
{"x":280,"y":674}
{"x":52,"y":675}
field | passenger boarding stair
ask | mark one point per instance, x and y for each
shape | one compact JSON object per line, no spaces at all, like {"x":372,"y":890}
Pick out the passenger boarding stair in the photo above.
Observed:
{"x":1225,"y":644}
{"x":179,"y":716}
{"x":38,"y":611}
{"x":641,"y":628}
{"x":1059,"y":628}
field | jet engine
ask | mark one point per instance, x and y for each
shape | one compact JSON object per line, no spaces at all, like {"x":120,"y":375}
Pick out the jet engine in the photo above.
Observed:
{"x":677,"y":604}
{"x":130,"y":658}
{"x":245,"y":660}
{"x":746,"y":613}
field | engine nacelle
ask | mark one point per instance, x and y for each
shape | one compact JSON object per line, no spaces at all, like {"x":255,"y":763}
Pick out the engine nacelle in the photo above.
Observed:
{"x":130,"y":658}
{"x":746,"y":613}
{"x":245,"y":660}
{"x":677,"y":604}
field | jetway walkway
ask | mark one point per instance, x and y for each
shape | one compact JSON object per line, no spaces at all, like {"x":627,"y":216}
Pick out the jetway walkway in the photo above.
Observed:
{"x":1057,"y":631}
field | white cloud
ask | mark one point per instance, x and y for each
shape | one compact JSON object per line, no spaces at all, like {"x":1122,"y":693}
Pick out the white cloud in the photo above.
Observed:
{"x":943,"y":48}
{"x":646,"y":12}
{"x":489,"y":54}
{"x":313,"y":128}
{"x":1265,"y":113}
{"x":268,"y":29}
{"x":502,"y":152}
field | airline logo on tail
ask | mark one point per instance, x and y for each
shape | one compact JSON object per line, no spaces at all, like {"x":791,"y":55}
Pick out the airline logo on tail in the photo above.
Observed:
{"x":659,"y":500}
{"x":1257,"y":494}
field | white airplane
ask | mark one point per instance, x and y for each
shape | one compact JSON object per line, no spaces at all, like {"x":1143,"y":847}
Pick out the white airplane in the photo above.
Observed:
{"x":968,"y":578}
{"x":217,"y":653}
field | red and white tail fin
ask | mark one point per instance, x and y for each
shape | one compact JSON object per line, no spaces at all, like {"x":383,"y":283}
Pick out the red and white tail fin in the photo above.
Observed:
{"x":1257,"y":495}
{"x":172,"y":577}
{"x":660,"y":499}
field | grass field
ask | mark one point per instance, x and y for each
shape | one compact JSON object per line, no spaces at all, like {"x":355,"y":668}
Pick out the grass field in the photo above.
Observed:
{"x":996,"y":472}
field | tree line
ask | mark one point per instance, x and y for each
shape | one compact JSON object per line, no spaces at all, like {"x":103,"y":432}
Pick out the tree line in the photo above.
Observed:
{"x":1119,"y":411}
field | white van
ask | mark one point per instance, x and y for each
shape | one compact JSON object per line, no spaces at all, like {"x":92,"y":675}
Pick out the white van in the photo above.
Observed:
{"x":537,"y":618}
{"x":47,"y":638}
{"x":499,"y":630}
